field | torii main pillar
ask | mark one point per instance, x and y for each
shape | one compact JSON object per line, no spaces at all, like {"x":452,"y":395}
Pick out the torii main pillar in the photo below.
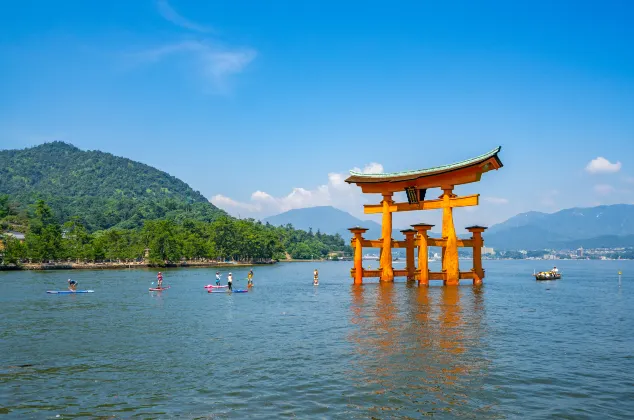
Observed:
{"x":450,"y":264}
{"x":385,"y":262}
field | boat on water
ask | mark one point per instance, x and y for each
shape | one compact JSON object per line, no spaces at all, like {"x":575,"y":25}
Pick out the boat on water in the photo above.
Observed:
{"x":547,"y":275}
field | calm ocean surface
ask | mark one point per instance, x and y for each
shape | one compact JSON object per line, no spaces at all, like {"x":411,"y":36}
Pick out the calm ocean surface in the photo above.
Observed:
{"x":515,"y":348}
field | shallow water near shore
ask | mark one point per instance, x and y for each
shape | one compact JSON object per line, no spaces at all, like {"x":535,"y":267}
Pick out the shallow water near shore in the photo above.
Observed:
{"x":514,"y":348}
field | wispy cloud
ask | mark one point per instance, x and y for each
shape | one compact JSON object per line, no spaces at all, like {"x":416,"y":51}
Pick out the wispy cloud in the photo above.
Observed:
{"x":213,"y":62}
{"x":496,"y":200}
{"x":602,"y":165}
{"x":173,"y":16}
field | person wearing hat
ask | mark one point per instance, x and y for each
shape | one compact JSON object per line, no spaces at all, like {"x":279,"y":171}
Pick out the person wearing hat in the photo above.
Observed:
{"x":72,"y":285}
{"x":229,"y":281}
{"x":159,"y":280}
{"x":217,"y":278}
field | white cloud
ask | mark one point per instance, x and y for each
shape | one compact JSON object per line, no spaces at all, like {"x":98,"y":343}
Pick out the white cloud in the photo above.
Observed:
{"x":226,"y":202}
{"x":602,"y":165}
{"x":370,"y":168}
{"x":496,"y":200}
{"x":215,"y":63}
{"x":603,"y":189}
{"x":172,"y":15}
{"x":336,"y":192}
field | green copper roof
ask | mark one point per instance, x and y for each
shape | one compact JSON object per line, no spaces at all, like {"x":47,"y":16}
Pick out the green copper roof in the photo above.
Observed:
{"x":424,"y":172}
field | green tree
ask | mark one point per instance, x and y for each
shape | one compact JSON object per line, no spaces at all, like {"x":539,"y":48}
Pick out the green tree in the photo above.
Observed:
{"x":14,"y":250}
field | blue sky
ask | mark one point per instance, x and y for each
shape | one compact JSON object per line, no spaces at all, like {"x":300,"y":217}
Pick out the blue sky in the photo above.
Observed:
{"x":265,"y":106}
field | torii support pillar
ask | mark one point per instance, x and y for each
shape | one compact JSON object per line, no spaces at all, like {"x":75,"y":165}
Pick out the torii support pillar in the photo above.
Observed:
{"x":387,"y":272}
{"x":450,"y":265}
{"x":409,"y":252}
{"x":423,"y":264}
{"x":478,"y":271}
{"x":357,"y":241}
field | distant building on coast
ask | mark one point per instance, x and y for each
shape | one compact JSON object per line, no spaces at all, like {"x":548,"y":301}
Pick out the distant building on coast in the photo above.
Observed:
{"x":487,"y":251}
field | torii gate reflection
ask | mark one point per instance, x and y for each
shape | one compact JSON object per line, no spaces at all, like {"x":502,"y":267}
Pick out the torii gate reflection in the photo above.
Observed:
{"x":419,"y":342}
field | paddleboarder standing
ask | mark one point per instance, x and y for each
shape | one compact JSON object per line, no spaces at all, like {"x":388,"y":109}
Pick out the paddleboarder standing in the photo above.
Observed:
{"x":217,"y":278}
{"x":315,"y":277}
{"x":229,"y":281}
{"x":250,"y":278}
{"x":159,"y":280}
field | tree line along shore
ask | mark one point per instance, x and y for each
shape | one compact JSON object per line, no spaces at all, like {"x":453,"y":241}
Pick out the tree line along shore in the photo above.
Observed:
{"x":110,"y":265}
{"x":182,"y":242}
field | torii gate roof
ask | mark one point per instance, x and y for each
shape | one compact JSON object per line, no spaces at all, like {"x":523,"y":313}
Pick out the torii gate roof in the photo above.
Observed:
{"x":457,"y":173}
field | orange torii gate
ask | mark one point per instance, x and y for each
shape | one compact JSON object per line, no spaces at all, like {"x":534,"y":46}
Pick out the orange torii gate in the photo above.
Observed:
{"x":415,"y":184}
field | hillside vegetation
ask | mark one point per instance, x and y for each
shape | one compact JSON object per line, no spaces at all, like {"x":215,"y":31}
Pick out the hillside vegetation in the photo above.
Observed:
{"x":93,"y":206}
{"x":99,"y":189}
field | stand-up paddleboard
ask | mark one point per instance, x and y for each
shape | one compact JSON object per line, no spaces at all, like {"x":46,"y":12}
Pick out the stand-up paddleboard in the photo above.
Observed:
{"x":227,"y":291}
{"x":158,"y":289}
{"x":213,"y":286}
{"x":63,"y":292}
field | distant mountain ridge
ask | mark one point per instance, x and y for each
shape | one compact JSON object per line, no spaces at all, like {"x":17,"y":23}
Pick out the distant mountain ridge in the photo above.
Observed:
{"x":326,"y":219}
{"x":101,"y":189}
{"x":331,"y":220}
{"x":601,"y":226}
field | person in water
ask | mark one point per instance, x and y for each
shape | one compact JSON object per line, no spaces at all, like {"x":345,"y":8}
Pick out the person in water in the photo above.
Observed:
{"x":250,"y":278}
{"x":229,"y":281}
{"x":159,"y":280}
{"x":315,"y":277}
{"x":217,"y":278}
{"x":72,"y":285}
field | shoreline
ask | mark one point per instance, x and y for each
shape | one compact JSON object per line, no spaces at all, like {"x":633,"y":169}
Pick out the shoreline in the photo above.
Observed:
{"x":117,"y":266}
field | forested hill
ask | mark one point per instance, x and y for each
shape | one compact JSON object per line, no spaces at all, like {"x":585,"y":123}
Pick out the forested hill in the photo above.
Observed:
{"x":100,"y":189}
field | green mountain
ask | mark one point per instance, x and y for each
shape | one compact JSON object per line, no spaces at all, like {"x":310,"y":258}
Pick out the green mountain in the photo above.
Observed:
{"x":100,"y":189}
{"x":602,"y":226}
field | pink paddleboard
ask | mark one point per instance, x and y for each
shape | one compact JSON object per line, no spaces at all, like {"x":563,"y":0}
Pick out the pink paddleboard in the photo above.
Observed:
{"x":209,"y":286}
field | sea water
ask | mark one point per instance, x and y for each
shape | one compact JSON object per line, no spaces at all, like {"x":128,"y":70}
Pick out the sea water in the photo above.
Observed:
{"x":513,"y":348}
